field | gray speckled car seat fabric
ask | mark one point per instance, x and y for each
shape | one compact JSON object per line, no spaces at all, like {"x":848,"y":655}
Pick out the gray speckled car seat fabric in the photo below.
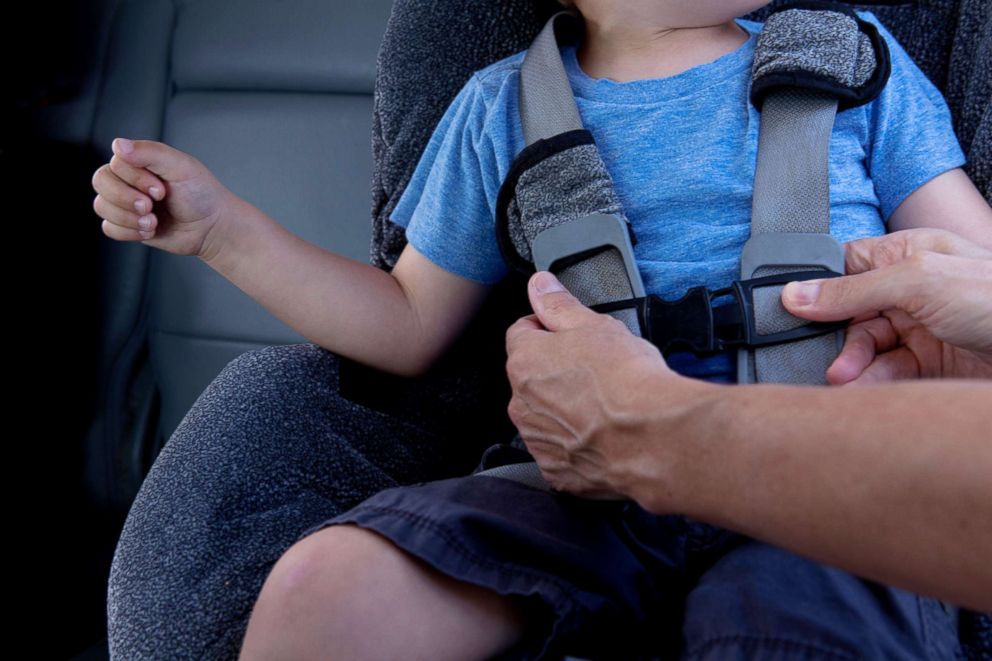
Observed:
{"x":288,"y":436}
{"x":268,"y":449}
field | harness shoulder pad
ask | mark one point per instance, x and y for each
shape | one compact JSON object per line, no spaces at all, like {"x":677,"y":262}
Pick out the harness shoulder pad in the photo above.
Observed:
{"x":820,"y":46}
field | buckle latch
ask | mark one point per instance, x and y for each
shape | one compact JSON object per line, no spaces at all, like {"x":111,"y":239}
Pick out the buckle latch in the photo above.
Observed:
{"x":696,"y":324}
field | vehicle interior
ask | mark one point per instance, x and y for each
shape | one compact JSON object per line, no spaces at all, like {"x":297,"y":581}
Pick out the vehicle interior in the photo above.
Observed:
{"x":317,"y":113}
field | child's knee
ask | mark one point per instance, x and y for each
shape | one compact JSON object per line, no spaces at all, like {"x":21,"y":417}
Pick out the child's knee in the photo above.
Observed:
{"x":331,"y":591}
{"x":331,"y":562}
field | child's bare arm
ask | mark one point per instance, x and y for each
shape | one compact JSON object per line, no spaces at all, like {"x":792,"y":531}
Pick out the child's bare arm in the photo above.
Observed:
{"x":949,"y":201}
{"x":398,"y":322}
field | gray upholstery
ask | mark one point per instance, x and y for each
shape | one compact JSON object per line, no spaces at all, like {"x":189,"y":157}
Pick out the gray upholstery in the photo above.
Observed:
{"x":276,"y":99}
{"x":267,"y":450}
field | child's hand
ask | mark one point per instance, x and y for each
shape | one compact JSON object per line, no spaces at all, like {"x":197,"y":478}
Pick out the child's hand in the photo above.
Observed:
{"x":159,"y":195}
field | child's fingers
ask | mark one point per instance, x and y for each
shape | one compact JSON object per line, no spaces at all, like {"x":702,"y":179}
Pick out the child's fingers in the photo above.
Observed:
{"x":138,"y":178}
{"x":118,"y":193}
{"x":119,"y":233}
{"x":124,"y":218}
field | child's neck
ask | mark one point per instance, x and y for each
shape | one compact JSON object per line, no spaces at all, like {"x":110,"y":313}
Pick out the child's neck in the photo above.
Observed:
{"x":628,"y":52}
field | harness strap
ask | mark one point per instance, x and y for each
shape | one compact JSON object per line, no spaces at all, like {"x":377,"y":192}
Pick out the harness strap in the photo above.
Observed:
{"x":808,"y":64}
{"x":790,"y":231}
{"x":547,"y":105}
{"x":584,"y":222}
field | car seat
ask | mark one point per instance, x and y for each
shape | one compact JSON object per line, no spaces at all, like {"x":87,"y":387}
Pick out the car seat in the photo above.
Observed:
{"x":288,"y":435}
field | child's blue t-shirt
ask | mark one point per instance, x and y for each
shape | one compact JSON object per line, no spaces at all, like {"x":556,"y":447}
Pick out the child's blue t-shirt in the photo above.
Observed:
{"x":681,"y":151}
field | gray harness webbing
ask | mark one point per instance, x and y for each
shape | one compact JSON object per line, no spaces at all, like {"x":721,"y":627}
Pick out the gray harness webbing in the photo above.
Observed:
{"x":563,"y":205}
{"x":790,"y":231}
{"x":547,"y":105}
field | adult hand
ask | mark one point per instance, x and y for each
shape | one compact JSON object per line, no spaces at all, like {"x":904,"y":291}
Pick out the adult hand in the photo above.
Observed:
{"x":579,"y":381}
{"x":921,"y":301}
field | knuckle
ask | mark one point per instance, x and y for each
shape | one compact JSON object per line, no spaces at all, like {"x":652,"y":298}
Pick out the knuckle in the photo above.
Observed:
{"x":513,"y":374}
{"x":557,"y":304}
{"x":517,"y":344}
{"x":931,"y":271}
{"x":111,"y":230}
{"x":608,"y":323}
{"x":615,"y":323}
{"x":940,"y":240}
{"x":923,"y":268}
{"x":118,"y":166}
{"x":148,"y":182}
{"x":916,"y":261}
{"x":97,"y":176}
{"x":512,"y":334}
{"x":927,"y":263}
{"x":513,"y":406}
{"x":888,"y":252}
{"x":511,"y":370}
{"x":516,"y":410}
{"x":103,"y":208}
{"x":511,"y":347}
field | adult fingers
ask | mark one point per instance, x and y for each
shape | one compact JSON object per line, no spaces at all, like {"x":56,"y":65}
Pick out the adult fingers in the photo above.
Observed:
{"x":862,"y":343}
{"x":521,"y":328}
{"x":891,"y":366}
{"x":881,"y":251}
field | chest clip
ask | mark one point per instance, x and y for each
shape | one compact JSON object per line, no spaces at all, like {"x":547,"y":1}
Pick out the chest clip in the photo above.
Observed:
{"x":698,"y":323}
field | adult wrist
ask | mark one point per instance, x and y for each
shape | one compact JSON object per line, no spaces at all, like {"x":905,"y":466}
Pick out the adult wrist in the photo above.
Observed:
{"x":684,"y":422}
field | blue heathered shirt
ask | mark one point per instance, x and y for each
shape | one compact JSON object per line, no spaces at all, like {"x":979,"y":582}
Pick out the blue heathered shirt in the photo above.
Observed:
{"x":681,"y":152}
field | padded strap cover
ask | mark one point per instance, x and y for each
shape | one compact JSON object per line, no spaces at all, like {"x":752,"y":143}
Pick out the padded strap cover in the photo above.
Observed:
{"x":820,"y":46}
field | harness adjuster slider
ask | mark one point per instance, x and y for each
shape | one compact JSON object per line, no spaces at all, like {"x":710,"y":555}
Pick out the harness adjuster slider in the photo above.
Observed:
{"x":695,"y":323}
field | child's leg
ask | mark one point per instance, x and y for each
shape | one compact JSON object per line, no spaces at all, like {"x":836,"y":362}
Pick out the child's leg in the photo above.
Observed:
{"x":345,"y":592}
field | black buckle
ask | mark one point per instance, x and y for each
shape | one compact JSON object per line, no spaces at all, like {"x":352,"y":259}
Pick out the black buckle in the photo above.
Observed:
{"x":694,"y":323}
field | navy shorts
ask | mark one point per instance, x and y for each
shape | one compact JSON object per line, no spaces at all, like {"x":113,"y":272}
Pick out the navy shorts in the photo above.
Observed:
{"x":608,"y":580}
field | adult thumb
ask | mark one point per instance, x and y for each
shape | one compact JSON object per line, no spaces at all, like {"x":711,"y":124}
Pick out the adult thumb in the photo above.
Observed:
{"x":845,"y":297}
{"x":554,"y":306}
{"x":157,"y":157}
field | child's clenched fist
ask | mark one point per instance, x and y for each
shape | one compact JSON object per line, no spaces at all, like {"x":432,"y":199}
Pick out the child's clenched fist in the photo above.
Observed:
{"x":156,"y":194}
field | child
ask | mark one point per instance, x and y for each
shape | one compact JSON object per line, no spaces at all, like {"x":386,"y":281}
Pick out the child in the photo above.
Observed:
{"x":492,"y":566}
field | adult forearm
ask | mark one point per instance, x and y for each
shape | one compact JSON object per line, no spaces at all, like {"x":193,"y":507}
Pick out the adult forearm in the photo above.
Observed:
{"x":323,"y":296}
{"x":891,"y":482}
